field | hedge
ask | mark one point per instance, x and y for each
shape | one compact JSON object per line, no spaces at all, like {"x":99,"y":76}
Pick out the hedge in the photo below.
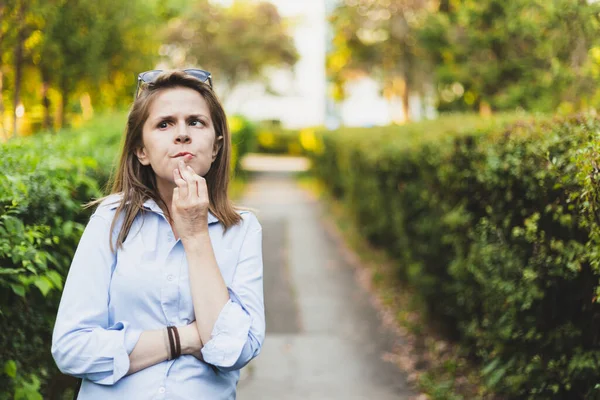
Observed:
{"x":44,"y":180}
{"x":495,"y":223}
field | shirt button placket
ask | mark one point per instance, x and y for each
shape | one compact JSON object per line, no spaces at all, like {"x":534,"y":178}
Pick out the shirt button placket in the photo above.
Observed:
{"x":170,"y":293}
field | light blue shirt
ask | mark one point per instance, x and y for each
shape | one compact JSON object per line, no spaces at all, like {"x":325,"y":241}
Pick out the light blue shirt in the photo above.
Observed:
{"x":110,"y":298}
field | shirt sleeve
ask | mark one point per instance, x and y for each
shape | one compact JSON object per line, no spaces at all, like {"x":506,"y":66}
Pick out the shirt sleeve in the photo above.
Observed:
{"x":83,"y":343}
{"x":239,"y":331}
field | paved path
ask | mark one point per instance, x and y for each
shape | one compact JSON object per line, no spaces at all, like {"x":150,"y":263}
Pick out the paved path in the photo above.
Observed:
{"x":324,"y":340}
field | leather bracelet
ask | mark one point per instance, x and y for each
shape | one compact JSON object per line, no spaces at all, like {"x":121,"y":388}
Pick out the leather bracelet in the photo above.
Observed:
{"x":171,"y":342}
{"x":177,"y":342}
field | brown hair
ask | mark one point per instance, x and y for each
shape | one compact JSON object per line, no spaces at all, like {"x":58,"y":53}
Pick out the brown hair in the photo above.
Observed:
{"x":137,"y":182}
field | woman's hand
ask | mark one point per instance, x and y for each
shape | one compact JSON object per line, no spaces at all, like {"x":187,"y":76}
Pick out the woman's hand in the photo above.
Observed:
{"x":189,"y":207}
{"x":190,"y":340}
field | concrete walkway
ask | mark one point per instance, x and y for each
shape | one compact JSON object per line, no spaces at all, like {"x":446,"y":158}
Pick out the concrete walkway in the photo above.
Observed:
{"x":324,"y":339}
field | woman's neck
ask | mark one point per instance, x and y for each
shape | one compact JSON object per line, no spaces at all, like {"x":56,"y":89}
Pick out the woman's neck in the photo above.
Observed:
{"x":165,"y":191}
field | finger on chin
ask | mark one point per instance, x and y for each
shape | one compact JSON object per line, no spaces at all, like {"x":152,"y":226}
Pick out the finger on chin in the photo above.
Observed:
{"x":183,"y":170}
{"x":181,"y":184}
{"x":191,"y":181}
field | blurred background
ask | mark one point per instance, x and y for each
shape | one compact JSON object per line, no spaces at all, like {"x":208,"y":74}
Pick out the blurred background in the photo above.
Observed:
{"x":458,"y":137}
{"x":351,"y":63}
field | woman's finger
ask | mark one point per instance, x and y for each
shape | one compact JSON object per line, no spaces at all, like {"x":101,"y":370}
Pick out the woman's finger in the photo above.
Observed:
{"x":184,"y":171}
{"x":202,"y":189}
{"x":181,"y":184}
{"x":189,"y":178}
{"x":192,"y":181}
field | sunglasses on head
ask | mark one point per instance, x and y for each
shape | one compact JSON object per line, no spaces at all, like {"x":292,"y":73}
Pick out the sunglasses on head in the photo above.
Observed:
{"x":149,"y":77}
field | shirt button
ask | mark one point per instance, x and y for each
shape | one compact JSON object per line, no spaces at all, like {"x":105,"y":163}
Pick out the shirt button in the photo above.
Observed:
{"x":170,"y":278}
{"x":161,"y":390}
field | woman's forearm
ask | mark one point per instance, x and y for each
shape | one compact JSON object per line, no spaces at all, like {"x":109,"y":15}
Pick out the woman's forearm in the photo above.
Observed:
{"x":209,"y":292}
{"x":149,"y":350}
{"x":152,"y":347}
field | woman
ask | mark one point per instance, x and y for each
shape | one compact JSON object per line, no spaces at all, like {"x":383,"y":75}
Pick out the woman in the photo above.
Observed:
{"x":164,"y":297}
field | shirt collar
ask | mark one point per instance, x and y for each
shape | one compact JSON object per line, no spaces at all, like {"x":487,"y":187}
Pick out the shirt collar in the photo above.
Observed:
{"x":151,"y":205}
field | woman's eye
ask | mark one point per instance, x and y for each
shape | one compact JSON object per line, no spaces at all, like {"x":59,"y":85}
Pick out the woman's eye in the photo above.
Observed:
{"x":196,"y":122}
{"x":163,"y":125}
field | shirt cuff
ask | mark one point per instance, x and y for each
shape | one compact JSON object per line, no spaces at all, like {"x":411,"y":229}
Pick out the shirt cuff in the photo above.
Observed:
{"x":121,"y":362}
{"x":132,"y":336}
{"x":229,"y":335}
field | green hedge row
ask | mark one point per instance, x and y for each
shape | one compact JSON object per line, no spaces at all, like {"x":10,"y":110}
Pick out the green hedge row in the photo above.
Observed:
{"x":272,"y":138}
{"x":44,"y":180}
{"x":495,"y":222}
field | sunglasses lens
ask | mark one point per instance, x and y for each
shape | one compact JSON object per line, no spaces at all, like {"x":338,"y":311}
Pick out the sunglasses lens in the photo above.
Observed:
{"x":149,"y":76}
{"x":198,"y":74}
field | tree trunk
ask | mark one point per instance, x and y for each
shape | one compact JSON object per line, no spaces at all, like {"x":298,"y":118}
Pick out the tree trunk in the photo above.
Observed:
{"x":444,"y":6}
{"x":47,"y":124}
{"x":405,"y":95}
{"x":18,"y":63}
{"x":2,"y":36}
{"x":2,"y":104}
{"x":64,"y":101}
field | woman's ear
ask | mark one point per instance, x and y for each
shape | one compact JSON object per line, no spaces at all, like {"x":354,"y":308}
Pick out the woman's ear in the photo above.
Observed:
{"x":140,"y":152}
{"x":217,"y":146}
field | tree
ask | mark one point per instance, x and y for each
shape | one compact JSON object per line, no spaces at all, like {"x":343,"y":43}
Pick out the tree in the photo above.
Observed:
{"x":505,"y":54}
{"x":4,"y":10}
{"x":19,"y":23}
{"x":378,"y":37}
{"x":88,"y":43}
{"x":235,"y":43}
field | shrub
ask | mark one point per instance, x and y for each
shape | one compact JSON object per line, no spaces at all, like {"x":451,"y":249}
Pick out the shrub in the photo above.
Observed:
{"x":495,"y":222}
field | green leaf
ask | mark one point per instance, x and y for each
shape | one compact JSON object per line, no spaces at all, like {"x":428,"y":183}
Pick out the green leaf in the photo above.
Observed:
{"x":68,"y":228}
{"x":11,"y":271}
{"x":55,"y":278}
{"x":44,"y":284}
{"x":18,"y":289}
{"x":29,"y":390}
{"x":14,"y":226}
{"x":491,"y":366}
{"x":10,"y":368}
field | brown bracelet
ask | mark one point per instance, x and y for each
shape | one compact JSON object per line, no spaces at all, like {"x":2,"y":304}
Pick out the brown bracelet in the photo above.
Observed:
{"x":171,"y":342}
{"x":177,"y":342}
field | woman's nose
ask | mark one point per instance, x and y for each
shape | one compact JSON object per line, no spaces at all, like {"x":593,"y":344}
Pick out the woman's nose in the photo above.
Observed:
{"x":183,"y":136}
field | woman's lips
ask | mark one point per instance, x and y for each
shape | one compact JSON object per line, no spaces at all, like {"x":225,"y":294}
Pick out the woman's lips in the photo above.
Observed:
{"x":186,"y":156}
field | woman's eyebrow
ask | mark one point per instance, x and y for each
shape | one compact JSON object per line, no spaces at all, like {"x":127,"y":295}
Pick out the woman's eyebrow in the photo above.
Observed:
{"x":168,"y":117}
{"x":196,"y":116}
{"x":163,"y":117}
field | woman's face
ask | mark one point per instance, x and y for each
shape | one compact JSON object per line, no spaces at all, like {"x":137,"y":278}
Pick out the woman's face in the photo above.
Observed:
{"x":179,"y":127}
